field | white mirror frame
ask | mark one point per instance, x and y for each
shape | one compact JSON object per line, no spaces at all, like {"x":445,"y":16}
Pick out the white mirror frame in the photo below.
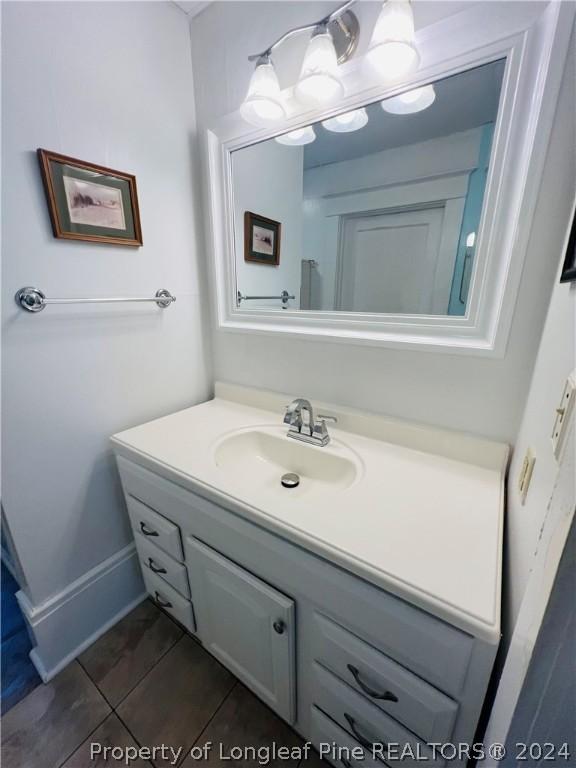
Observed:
{"x":534,"y":39}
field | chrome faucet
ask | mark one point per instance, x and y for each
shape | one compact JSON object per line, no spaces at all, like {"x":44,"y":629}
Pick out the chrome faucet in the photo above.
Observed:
{"x":310,"y":431}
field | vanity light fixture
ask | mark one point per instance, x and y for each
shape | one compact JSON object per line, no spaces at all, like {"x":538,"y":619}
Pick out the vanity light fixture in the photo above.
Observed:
{"x":263,"y":103}
{"x":392,"y":52}
{"x":348,"y":122}
{"x":297,"y":138}
{"x":410,"y":102}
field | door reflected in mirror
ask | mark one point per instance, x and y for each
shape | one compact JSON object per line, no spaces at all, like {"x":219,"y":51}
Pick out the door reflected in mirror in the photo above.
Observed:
{"x":377,"y":209}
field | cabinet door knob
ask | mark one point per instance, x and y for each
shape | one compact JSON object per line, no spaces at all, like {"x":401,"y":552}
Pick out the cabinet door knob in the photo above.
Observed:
{"x":385,"y":696}
{"x":279,"y":626}
{"x":146,"y":531}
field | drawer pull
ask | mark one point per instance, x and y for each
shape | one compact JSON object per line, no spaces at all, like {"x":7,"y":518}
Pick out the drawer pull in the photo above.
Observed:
{"x":366,"y":743}
{"x":154,"y":568}
{"x":146,"y":531}
{"x":386,"y":696}
{"x":279,"y":626}
{"x":162,"y":603}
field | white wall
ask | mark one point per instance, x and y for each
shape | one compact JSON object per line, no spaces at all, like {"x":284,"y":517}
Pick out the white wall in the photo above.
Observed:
{"x":267,"y":180}
{"x":108,"y":83}
{"x":537,"y":532}
{"x":480,"y":395}
{"x":451,"y":154}
{"x":556,"y":359}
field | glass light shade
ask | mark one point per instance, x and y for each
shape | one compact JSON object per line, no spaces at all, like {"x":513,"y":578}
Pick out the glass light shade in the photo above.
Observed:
{"x":348,"y":122}
{"x":263,"y":103}
{"x":319,"y":82}
{"x":298,"y":137}
{"x":392,"y":52}
{"x":412,"y":101}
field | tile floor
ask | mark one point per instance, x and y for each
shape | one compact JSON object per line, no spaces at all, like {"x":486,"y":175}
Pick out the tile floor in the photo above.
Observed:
{"x":145,"y":682}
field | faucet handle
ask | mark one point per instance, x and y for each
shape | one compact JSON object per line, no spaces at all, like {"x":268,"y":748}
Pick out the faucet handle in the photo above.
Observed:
{"x":320,"y":431}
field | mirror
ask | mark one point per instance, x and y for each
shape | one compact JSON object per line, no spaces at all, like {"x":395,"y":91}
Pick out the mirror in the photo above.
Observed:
{"x":373,"y":211}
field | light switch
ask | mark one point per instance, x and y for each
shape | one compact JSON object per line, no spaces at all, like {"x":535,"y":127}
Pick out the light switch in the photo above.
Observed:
{"x":526,"y":475}
{"x":563,"y":414}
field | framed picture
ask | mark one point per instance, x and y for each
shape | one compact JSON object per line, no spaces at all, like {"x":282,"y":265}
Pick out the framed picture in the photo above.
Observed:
{"x":90,"y":202}
{"x":261,"y":239}
{"x":569,"y":269}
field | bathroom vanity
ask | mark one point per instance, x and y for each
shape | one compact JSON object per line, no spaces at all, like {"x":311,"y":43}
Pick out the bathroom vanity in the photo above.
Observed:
{"x":363,"y":605}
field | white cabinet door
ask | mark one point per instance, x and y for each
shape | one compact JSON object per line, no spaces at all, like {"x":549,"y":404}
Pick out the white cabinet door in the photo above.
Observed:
{"x":246,"y":624}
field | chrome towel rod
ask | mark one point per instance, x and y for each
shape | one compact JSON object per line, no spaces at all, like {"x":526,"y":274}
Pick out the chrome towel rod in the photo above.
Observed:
{"x":284,"y":298}
{"x":33,"y":300}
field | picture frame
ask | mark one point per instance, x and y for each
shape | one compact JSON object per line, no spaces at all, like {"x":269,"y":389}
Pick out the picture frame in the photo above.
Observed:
{"x":90,"y":202}
{"x":568,"y":274}
{"x":261,"y":239}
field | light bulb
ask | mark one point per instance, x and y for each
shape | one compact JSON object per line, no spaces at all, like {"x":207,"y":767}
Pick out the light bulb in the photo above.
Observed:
{"x":470,"y":240}
{"x":319,"y":82}
{"x":412,"y":101}
{"x":392,"y":52}
{"x":348,"y":122}
{"x":263,"y":103}
{"x":298,"y":137}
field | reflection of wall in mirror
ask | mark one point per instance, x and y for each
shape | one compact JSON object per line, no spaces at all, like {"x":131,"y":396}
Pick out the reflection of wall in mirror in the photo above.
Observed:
{"x":433,"y":171}
{"x":267,"y":180}
{"x":309,"y":285}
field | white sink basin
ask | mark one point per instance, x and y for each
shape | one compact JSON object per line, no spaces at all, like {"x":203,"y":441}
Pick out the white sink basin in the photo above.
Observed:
{"x":259,"y":456}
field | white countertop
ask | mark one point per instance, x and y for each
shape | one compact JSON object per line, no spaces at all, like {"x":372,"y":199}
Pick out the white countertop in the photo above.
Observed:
{"x":424,"y":521}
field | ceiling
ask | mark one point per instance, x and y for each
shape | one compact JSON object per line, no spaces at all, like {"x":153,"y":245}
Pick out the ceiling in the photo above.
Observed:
{"x":463,"y":101}
{"x":191,"y":7}
{"x":425,"y":12}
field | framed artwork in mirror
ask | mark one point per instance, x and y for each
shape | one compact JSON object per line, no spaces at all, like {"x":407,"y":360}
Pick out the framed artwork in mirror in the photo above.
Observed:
{"x":569,"y":269}
{"x":261,"y":239}
{"x":90,"y":202}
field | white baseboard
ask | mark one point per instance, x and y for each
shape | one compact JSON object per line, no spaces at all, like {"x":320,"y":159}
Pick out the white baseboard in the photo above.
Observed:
{"x":63,"y":626}
{"x":48,"y":674}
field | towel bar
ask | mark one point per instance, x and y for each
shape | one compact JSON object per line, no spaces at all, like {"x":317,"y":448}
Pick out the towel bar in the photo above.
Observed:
{"x":33,"y":300}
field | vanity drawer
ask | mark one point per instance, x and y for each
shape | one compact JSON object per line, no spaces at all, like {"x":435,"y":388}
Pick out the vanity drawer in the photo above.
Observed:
{"x":416,"y":704}
{"x":345,"y":751}
{"x":156,"y":528}
{"x":364,"y":721}
{"x":168,"y":599}
{"x":161,"y":564}
{"x":418,"y":641}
